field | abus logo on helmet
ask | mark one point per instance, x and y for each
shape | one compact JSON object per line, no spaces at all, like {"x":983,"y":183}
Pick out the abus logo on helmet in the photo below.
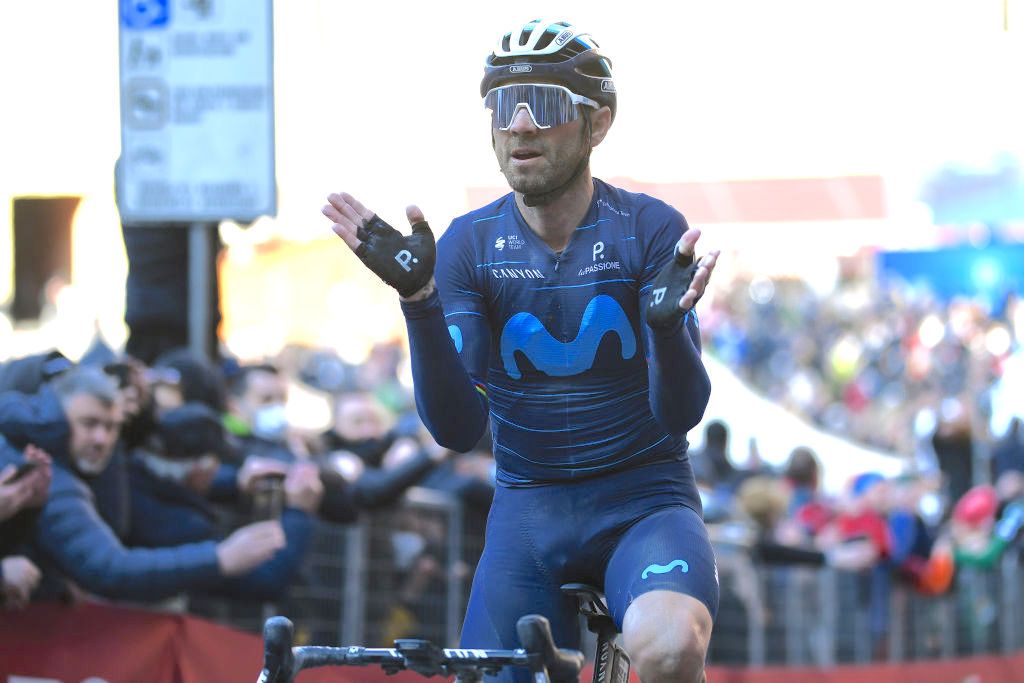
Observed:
{"x":563,"y":37}
{"x":520,"y":68}
{"x":607,"y":85}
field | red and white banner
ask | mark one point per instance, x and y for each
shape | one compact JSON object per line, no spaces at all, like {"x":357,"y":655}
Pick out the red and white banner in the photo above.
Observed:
{"x":91,"y":643}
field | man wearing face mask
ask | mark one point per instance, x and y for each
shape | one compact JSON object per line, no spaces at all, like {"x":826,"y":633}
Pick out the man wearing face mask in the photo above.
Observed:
{"x":268,"y":452}
{"x":256,"y":407}
{"x":378,"y":462}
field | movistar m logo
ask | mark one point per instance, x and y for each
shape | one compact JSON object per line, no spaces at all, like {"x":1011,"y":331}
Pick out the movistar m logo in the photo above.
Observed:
{"x":665,"y":568}
{"x":526,"y":334}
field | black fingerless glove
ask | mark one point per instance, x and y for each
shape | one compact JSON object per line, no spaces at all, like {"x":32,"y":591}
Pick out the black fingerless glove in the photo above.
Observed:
{"x":404,"y":262}
{"x":669,"y":287}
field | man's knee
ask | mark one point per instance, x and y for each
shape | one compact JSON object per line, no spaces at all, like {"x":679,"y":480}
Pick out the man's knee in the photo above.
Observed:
{"x":666,"y":636}
{"x":677,"y":657}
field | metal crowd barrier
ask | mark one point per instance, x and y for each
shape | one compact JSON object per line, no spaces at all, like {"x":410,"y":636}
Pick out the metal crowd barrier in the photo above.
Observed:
{"x":796,"y":616}
{"x":406,"y":572}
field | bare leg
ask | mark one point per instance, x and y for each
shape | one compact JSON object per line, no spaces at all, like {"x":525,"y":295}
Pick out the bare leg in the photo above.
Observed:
{"x":666,"y":635}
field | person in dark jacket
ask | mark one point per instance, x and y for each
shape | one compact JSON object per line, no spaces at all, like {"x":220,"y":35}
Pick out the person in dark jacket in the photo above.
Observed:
{"x":381,"y":463}
{"x":29,"y":373}
{"x":167,"y":507}
{"x":76,"y":419}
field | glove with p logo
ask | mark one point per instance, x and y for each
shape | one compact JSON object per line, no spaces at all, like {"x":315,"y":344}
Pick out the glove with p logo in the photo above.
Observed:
{"x":671,"y":283}
{"x":406,"y":262}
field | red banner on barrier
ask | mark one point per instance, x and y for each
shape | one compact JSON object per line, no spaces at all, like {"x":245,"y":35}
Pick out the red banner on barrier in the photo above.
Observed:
{"x":93,"y":643}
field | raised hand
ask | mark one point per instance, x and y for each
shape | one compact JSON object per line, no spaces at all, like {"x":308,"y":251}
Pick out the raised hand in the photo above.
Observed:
{"x":28,"y":490}
{"x":249,"y":546}
{"x":20,"y":578}
{"x":303,"y":489}
{"x":406,"y":262}
{"x":680,"y":283}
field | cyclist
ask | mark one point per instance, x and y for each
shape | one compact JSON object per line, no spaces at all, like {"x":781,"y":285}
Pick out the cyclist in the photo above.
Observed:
{"x":564,"y":311}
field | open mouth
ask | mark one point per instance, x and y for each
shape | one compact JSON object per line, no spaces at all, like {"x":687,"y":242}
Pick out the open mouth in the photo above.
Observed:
{"x":524,"y":154}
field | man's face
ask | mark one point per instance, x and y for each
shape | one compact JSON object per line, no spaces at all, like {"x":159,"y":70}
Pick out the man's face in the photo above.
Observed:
{"x":358,"y":417}
{"x":95,"y":427}
{"x":535,"y":160}
{"x":262,"y":390}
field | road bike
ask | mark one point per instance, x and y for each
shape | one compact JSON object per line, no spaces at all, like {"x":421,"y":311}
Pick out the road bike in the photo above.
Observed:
{"x":547,"y":662}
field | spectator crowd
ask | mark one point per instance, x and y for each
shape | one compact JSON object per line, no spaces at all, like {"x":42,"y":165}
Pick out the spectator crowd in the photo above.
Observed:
{"x":147,"y":479}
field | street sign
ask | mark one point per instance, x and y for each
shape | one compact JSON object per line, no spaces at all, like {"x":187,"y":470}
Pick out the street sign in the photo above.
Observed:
{"x":197,"y":110}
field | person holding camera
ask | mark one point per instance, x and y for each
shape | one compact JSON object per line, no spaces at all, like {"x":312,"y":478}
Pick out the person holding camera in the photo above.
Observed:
{"x":169,"y":474}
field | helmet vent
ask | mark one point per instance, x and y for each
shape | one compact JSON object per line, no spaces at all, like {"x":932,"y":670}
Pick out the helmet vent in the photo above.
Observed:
{"x":546,"y":39}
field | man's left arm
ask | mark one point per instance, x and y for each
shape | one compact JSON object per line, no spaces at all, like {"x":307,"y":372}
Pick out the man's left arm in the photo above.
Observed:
{"x":679,"y":383}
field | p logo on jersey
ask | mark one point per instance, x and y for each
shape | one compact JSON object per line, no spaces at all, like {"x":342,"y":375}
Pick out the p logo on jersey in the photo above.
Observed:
{"x":406,"y":262}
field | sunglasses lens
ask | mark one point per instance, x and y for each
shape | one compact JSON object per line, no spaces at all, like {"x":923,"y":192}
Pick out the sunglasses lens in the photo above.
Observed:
{"x":548,"y":105}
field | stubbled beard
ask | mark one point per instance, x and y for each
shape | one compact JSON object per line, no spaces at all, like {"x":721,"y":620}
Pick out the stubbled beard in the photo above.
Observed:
{"x":91,"y":468}
{"x":557,"y":172}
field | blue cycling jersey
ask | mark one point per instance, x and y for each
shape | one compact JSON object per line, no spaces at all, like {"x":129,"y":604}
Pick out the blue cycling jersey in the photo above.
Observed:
{"x":557,"y":341}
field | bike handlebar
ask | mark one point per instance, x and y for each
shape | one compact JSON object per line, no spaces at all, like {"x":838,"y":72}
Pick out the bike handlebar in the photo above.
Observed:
{"x":282,"y":662}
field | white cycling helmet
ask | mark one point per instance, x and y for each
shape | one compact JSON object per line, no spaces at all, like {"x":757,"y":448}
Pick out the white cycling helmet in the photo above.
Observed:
{"x":551,"y":51}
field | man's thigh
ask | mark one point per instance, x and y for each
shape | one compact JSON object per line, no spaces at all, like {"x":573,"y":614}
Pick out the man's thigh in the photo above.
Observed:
{"x":507,"y":585}
{"x":668,"y":550}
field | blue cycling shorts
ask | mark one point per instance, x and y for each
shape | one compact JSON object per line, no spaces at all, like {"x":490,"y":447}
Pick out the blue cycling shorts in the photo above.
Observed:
{"x":627,"y":532}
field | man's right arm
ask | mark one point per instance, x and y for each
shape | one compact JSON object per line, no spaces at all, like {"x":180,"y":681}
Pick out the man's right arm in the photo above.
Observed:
{"x":450,"y":394}
{"x":451,"y":397}
{"x":72,"y":534}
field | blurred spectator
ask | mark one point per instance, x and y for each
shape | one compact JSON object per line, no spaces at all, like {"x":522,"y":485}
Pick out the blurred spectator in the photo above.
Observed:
{"x":712,"y":465}
{"x":172,"y":471}
{"x":979,"y":534}
{"x":31,"y":372}
{"x":71,"y":538}
{"x":23,"y":490}
{"x":379,"y":374}
{"x":808,"y":509}
{"x":803,"y":472}
{"x":381,"y":464}
{"x":269,"y":449}
{"x":257,"y":414}
{"x":764,"y":500}
{"x":954,"y":448}
{"x":362,"y":448}
{"x":913,"y":538}
{"x":859,"y":531}
{"x":859,"y":540}
{"x":112,"y":486}
{"x":197,"y":379}
{"x":24,"y":484}
{"x":1008,"y":452}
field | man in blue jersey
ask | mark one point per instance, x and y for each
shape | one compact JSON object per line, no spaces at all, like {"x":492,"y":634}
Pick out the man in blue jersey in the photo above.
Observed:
{"x":564,"y":312}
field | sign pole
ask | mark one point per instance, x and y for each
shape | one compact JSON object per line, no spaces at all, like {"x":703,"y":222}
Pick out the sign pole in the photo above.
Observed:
{"x":197,"y":128}
{"x":199,"y":288}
